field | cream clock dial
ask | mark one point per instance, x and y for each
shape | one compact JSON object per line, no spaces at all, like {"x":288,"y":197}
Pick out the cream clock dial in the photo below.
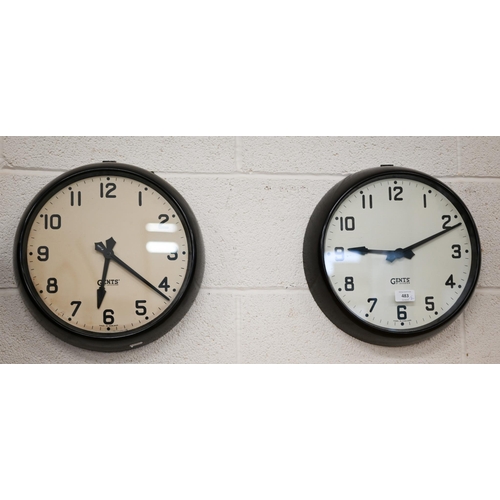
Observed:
{"x":109,"y":257}
{"x":391,"y":255}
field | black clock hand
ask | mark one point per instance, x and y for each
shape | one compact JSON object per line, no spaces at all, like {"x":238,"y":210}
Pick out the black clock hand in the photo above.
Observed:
{"x":391,"y":254}
{"x":101,"y":291}
{"x":399,"y":253}
{"x":425,"y":240}
{"x":110,"y":254}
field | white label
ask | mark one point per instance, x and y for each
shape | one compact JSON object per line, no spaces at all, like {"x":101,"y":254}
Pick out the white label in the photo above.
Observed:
{"x":405,"y":295}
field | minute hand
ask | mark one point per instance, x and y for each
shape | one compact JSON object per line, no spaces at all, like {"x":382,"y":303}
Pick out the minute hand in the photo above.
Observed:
{"x":136,"y":274}
{"x":109,"y":254}
{"x":425,"y":240}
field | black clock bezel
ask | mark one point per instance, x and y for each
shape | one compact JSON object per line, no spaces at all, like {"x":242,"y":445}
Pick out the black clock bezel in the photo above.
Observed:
{"x":319,"y":283}
{"x":137,"y":337}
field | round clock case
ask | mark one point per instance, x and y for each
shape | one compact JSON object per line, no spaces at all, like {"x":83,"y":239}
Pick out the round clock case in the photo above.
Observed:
{"x":108,"y":257}
{"x":391,"y":255}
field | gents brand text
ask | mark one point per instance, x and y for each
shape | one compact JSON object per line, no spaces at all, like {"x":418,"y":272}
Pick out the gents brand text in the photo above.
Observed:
{"x":108,"y":282}
{"x":400,"y":281}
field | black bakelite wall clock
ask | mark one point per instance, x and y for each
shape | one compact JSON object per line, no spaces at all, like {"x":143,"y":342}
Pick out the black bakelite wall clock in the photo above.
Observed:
{"x":108,"y":257}
{"x":391,"y":255}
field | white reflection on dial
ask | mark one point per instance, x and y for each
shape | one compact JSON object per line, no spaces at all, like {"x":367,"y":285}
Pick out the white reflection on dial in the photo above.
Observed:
{"x":162,"y":247}
{"x":337,"y":256}
{"x":161,"y":228}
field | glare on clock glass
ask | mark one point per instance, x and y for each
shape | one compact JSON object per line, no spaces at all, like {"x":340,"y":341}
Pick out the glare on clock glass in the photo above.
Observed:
{"x":393,"y":236}
{"x":67,"y":254}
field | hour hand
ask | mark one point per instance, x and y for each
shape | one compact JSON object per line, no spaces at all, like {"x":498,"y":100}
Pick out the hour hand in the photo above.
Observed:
{"x":391,"y":255}
{"x":364,"y":250}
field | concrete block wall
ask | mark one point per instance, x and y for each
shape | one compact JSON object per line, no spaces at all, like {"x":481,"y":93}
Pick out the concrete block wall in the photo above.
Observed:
{"x":253,"y":197}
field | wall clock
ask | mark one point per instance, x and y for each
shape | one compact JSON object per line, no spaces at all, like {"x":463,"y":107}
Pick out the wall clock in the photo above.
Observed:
{"x":108,"y":257}
{"x":391,"y":255}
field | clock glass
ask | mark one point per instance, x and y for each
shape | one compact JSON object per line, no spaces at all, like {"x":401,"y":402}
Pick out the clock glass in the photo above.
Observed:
{"x":391,"y":255}
{"x":107,"y":253}
{"x":397,"y":253}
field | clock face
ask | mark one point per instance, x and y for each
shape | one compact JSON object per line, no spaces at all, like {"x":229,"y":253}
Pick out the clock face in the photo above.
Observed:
{"x":107,"y":254}
{"x":399,"y":255}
